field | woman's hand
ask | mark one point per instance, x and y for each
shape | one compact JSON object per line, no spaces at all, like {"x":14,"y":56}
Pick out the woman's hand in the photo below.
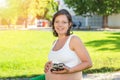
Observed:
{"x":64,"y":71}
{"x":47,"y":66}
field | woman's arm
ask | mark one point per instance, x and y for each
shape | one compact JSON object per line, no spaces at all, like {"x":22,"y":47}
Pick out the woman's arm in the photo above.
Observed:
{"x":77,"y":46}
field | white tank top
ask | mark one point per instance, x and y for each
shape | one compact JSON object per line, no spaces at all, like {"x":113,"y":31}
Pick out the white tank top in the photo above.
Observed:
{"x":64,"y":55}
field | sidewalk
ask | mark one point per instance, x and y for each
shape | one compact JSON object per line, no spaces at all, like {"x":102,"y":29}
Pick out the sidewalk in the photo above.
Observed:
{"x":102,"y":76}
{"x":97,"y":76}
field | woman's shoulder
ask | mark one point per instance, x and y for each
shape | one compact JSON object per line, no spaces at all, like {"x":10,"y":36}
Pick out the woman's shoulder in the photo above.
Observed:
{"x":75,"y":40}
{"x":75,"y":37}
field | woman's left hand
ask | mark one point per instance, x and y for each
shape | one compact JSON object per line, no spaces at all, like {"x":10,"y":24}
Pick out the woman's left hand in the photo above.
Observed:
{"x":64,"y":71}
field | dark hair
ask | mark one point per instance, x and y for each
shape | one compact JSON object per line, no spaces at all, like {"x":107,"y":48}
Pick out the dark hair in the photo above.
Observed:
{"x":62,"y":12}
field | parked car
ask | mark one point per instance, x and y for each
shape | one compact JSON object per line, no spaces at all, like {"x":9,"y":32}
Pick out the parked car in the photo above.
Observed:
{"x":39,"y":23}
{"x":42,"y":23}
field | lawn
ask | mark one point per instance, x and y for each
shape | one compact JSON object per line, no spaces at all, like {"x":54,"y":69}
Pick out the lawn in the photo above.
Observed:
{"x":24,"y":53}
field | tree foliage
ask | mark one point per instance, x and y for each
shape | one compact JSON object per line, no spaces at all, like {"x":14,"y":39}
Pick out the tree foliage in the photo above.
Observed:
{"x":42,"y":9}
{"x":100,"y":7}
{"x":10,"y":12}
{"x":93,"y":7}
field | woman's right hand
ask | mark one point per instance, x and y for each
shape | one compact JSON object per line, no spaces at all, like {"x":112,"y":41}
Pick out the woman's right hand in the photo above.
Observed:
{"x":47,"y":66}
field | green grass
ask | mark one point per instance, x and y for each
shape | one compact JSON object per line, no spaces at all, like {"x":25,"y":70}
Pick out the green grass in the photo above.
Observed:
{"x":24,"y":53}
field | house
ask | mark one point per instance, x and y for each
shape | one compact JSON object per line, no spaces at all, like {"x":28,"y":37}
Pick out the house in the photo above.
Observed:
{"x":114,"y":21}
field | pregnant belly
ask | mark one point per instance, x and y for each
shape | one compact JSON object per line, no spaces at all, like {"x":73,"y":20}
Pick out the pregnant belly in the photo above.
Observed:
{"x":73,"y":76}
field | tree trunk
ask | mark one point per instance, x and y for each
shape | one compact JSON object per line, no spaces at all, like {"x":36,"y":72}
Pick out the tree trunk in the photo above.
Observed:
{"x":45,"y":13}
{"x":26,"y":23}
{"x":9,"y":23}
{"x":105,"y":21}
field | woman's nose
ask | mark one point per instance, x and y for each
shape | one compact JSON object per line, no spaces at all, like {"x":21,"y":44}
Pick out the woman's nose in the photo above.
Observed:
{"x":60,"y":24}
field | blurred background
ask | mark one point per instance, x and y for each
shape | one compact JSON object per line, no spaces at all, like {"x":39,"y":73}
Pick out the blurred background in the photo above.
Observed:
{"x":88,"y":14}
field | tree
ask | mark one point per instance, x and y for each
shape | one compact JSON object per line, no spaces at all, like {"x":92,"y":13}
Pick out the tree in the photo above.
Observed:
{"x":91,"y":7}
{"x":52,"y":8}
{"x":25,"y":9}
{"x":43,"y":9}
{"x":10,"y":12}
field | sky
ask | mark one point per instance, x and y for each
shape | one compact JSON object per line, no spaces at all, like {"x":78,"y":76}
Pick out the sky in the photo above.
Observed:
{"x":3,"y":3}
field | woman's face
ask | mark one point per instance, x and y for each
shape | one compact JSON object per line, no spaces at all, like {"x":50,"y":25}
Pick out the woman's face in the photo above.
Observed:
{"x":61,"y":24}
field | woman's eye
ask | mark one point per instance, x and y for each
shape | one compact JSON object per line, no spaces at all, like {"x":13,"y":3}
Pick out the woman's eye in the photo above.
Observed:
{"x":61,"y":22}
{"x":56,"y":21}
{"x":64,"y":22}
